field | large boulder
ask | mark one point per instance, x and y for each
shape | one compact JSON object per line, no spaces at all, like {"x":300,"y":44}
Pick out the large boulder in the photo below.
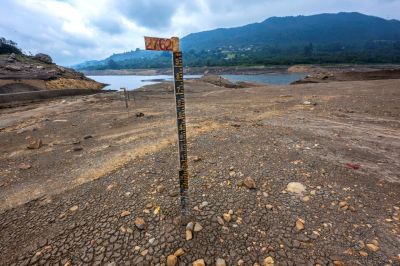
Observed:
{"x":44,"y":58}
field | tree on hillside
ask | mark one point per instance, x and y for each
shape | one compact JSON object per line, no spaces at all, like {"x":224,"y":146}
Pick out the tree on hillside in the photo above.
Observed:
{"x":8,"y":47}
{"x":308,"y":50}
{"x":112,"y":64}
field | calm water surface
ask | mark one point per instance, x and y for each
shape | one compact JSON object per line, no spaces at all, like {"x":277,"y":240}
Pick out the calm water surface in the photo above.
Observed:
{"x":133,"y":82}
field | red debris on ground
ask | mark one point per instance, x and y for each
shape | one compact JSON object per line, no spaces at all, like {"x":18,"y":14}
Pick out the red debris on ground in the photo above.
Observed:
{"x":354,"y":166}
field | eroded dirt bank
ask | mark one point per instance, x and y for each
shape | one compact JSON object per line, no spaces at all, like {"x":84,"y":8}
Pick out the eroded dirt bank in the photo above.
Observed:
{"x":74,"y":200}
{"x":22,"y":73}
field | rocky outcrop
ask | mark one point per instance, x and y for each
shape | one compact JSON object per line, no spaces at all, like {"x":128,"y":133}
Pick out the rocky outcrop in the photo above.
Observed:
{"x":44,"y":58}
{"x":19,"y":73}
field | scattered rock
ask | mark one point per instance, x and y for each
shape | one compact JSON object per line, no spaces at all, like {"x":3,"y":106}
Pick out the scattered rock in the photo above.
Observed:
{"x":220,"y":262}
{"x":74,"y":208}
{"x":144,"y":252}
{"x":203,"y":204}
{"x":189,"y":235}
{"x":338,"y":263}
{"x":363,"y":254}
{"x":11,"y":58}
{"x":160,"y":189}
{"x":199,"y":262}
{"x":35,"y":144}
{"x":372,"y":247}
{"x":227,"y":217}
{"x":24,"y":166}
{"x":88,"y":137}
{"x":77,"y":149}
{"x":299,"y":224}
{"x":139,"y":114}
{"x":268,"y":261}
{"x":197,"y":227}
{"x":249,"y":182}
{"x":296,"y":187}
{"x":140,"y":223}
{"x":196,"y":159}
{"x":306,"y":199}
{"x":125,"y":213}
{"x":220,"y":220}
{"x":44,"y":58}
{"x":172,"y":260}
{"x":190,"y":226}
{"x":240,"y":262}
{"x":173,"y":194}
{"x":179,"y":252}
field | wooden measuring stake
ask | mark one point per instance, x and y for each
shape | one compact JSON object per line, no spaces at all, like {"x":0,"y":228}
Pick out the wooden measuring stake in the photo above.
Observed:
{"x":177,"y":62}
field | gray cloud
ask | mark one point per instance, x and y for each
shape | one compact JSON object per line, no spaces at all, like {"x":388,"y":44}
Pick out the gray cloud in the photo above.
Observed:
{"x":72,"y":31}
{"x":148,"y":13}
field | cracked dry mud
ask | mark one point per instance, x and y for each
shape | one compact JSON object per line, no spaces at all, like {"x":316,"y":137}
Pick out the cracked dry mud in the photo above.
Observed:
{"x":101,"y":169}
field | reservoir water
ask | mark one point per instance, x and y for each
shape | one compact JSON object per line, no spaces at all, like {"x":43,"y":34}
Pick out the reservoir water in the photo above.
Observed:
{"x":132,"y":82}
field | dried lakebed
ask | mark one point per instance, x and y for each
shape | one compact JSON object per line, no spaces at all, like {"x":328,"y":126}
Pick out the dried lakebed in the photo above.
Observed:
{"x":102,"y":188}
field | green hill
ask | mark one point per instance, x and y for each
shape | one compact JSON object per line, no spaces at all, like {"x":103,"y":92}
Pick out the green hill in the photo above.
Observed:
{"x":323,"y":38}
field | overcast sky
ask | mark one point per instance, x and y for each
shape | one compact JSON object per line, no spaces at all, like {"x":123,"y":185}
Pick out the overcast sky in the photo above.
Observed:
{"x":72,"y":31}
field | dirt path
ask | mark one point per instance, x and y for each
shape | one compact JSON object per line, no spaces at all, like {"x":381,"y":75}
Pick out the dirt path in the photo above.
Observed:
{"x":97,"y":162}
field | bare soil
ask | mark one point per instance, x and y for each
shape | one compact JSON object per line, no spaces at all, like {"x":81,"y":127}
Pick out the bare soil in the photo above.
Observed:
{"x":61,"y":204}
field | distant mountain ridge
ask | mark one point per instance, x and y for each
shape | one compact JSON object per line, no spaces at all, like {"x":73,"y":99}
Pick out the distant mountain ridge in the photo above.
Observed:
{"x":331,"y":38}
{"x":346,"y":28}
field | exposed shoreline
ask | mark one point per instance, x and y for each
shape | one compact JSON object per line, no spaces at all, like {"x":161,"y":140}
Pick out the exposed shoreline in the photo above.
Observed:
{"x":97,"y":160}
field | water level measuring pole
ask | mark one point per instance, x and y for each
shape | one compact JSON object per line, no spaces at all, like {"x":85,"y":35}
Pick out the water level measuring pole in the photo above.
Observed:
{"x":160,"y":44}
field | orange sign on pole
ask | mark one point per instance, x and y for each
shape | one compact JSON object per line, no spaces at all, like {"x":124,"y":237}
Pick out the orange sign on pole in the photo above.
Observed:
{"x":162,"y":44}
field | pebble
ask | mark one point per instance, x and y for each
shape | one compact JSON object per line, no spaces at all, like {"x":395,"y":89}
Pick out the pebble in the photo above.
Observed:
{"x":199,"y":262}
{"x":203,"y":204}
{"x":125,"y":213}
{"x":74,"y":208}
{"x":268,"y":261}
{"x":190,"y":226}
{"x":372,"y":247}
{"x":227,"y":217}
{"x":363,"y":254}
{"x":179,"y":252}
{"x":173,"y":194}
{"x":140,"y":223}
{"x":296,"y":188}
{"x":299,"y":224}
{"x":35,"y":144}
{"x":189,"y":235}
{"x":269,"y":207}
{"x":249,"y":182}
{"x":338,"y":263}
{"x":196,"y":159}
{"x":77,"y":149}
{"x":24,"y":166}
{"x":220,"y":262}
{"x":144,"y":252}
{"x":172,"y":260}
{"x":160,"y":189}
{"x":197,"y":227}
{"x":306,"y":199}
{"x":240,"y":262}
{"x":220,"y":220}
